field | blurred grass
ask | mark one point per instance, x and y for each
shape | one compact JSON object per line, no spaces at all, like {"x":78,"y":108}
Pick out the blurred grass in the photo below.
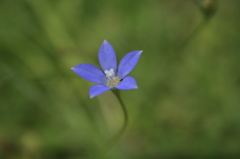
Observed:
{"x":187,"y":104}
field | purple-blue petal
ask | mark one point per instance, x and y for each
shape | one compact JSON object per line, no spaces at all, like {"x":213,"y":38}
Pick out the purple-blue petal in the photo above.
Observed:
{"x":127,"y":83}
{"x":98,"y":89}
{"x":107,"y":57}
{"x":127,"y":63}
{"x":90,"y":73}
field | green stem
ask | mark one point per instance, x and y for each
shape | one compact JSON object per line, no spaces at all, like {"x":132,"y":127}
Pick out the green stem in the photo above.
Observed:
{"x":123,"y":128}
{"x":193,"y":34}
{"x":178,"y":52}
{"x":110,"y":144}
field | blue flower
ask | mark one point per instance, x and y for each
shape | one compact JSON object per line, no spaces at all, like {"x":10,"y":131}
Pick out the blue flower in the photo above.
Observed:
{"x":112,"y":77}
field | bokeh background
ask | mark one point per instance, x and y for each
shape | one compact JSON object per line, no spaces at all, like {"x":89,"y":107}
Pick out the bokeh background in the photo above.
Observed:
{"x":188,"y":101}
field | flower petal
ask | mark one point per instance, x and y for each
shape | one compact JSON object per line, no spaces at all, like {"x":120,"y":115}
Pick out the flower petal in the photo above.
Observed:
{"x":98,"y":89}
{"x":90,"y":73}
{"x":107,"y":57}
{"x":127,"y":83}
{"x":127,"y":63}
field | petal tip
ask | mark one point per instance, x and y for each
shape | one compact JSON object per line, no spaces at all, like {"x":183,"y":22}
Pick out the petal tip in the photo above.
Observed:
{"x":140,"y":52}
{"x":105,"y":41}
{"x":91,"y":95}
{"x":136,"y":87}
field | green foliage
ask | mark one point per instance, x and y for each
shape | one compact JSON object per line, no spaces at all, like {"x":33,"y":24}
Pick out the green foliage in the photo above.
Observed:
{"x":187,"y":104}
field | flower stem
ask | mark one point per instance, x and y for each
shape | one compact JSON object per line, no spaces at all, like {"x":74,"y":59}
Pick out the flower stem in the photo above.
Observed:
{"x":110,"y":144}
{"x":123,"y":128}
{"x":193,"y":34}
{"x":119,"y":134}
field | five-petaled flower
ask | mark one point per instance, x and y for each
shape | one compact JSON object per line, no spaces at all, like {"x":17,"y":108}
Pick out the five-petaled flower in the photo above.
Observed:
{"x":112,"y":77}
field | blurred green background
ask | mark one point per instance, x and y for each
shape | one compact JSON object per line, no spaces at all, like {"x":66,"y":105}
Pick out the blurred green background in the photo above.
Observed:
{"x":188,"y":101}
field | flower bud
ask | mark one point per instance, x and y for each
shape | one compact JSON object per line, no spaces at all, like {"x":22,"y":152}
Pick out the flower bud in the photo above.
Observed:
{"x":208,"y":7}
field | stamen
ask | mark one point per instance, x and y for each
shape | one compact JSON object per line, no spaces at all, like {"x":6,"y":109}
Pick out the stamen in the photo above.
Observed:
{"x":110,"y":73}
{"x":112,"y":80}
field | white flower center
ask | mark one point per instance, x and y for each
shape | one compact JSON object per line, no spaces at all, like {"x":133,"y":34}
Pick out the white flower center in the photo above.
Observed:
{"x":112,"y":80}
{"x":110,"y":73}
